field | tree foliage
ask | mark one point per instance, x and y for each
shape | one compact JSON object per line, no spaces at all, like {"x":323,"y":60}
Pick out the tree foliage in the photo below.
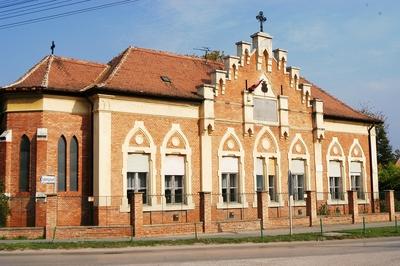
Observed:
{"x":4,"y":208}
{"x":384,"y":149}
{"x":214,"y":55}
{"x":389,"y":177}
{"x":389,"y":172}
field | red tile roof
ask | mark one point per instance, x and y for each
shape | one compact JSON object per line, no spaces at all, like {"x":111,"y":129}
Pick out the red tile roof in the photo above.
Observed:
{"x":139,"y":71}
{"x":335,"y":108}
{"x":59,"y":74}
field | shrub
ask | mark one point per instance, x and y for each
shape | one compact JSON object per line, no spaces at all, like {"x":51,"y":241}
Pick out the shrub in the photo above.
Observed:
{"x":323,"y":209}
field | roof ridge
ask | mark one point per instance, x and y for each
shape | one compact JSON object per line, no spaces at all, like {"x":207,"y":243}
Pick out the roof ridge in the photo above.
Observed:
{"x":29,"y":72}
{"x":335,"y":98}
{"x":97,"y":79}
{"x":45,"y":81}
{"x":172,"y":54}
{"x":122,"y":59}
{"x":78,"y":61}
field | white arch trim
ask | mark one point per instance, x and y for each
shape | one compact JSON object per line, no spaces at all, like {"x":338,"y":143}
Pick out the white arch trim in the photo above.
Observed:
{"x":341,"y":158}
{"x":187,"y":152}
{"x":230,"y":132}
{"x":276,"y":155}
{"x":151,"y":151}
{"x":305,"y":157}
{"x":362,"y":160}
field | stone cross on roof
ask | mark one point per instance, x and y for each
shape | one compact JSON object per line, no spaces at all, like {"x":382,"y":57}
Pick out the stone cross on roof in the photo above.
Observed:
{"x":260,"y":17}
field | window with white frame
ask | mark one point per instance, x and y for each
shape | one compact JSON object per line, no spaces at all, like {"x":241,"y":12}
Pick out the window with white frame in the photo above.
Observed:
{"x":174,"y":179}
{"x":272,"y":179}
{"x":356,"y":178}
{"x":335,"y":180}
{"x":229,"y":179}
{"x":137,"y":175}
{"x":298,"y":177}
{"x":265,"y":110}
{"x":260,"y":174}
{"x":271,"y":173}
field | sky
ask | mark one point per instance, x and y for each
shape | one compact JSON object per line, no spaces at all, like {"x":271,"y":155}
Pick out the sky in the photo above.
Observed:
{"x":349,"y":48}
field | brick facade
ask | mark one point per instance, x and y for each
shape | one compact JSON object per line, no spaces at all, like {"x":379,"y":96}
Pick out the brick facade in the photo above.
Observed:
{"x":229,"y":132}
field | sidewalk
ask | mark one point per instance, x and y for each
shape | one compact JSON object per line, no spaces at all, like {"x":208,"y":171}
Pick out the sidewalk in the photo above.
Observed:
{"x":268,"y":232}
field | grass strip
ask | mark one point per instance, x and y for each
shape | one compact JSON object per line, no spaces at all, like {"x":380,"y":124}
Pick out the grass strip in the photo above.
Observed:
{"x":346,"y":234}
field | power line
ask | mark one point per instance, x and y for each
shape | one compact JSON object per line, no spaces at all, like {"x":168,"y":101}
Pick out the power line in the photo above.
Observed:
{"x":43,"y":9}
{"x":31,"y":6}
{"x":16,"y":3}
{"x":64,"y":14}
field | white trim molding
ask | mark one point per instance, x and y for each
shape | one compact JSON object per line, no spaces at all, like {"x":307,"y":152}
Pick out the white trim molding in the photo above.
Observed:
{"x":305,"y":156}
{"x":187,"y":153}
{"x":150,"y":150}
{"x":362,"y":160}
{"x":338,"y":156}
{"x":230,"y":133}
{"x":275,"y":154}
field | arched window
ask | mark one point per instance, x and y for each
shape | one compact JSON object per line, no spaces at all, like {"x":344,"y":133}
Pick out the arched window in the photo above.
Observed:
{"x":234,"y":71}
{"x":73,"y":165}
{"x":246,"y":57}
{"x":24,"y":163}
{"x":266,"y":58}
{"x":62,"y":163}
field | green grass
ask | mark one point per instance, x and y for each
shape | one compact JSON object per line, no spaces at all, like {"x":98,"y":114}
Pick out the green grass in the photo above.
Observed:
{"x":347,"y":234}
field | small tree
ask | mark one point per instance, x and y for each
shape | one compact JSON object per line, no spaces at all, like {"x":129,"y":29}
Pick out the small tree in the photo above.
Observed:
{"x":389,"y":177}
{"x":4,"y":209}
{"x":215,"y":55}
{"x":384,"y":149}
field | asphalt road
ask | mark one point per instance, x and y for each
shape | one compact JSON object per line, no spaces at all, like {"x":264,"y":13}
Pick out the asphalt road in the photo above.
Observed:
{"x":384,"y":251}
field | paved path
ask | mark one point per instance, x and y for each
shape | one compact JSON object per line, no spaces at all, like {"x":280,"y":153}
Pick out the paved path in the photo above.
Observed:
{"x":384,"y":251}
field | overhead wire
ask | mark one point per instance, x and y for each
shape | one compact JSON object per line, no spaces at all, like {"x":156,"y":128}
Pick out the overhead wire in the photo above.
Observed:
{"x":16,"y":3}
{"x":31,"y":6}
{"x":43,"y":9}
{"x":65,"y":14}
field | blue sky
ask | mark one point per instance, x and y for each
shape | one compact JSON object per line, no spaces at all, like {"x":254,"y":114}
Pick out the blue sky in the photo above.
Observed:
{"x":350,"y":48}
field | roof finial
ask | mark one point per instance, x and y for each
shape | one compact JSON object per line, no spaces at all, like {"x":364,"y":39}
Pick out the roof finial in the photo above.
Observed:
{"x":52,"y":47}
{"x":260,"y":17}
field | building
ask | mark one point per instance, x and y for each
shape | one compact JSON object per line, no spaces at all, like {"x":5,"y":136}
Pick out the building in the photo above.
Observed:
{"x":197,"y":138}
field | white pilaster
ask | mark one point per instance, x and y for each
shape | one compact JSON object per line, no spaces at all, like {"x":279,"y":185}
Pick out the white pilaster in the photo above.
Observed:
{"x":375,"y":186}
{"x":102,"y":152}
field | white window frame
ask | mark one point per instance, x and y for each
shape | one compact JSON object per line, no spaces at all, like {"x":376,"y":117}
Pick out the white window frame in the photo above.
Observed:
{"x":339,"y":188}
{"x":187,"y":203}
{"x":298,"y":197}
{"x":304,"y":156}
{"x":137,"y":188}
{"x":362,"y":160}
{"x":242,"y":201}
{"x":266,"y":132}
{"x":340,"y":157}
{"x":149,"y":150}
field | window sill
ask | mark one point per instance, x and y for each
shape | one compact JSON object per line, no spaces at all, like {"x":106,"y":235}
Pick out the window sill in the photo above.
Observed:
{"x":233,"y":205}
{"x":363,"y":201}
{"x":271,"y":204}
{"x":159,"y":207}
{"x":336,"y":202}
{"x":299,"y":203}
